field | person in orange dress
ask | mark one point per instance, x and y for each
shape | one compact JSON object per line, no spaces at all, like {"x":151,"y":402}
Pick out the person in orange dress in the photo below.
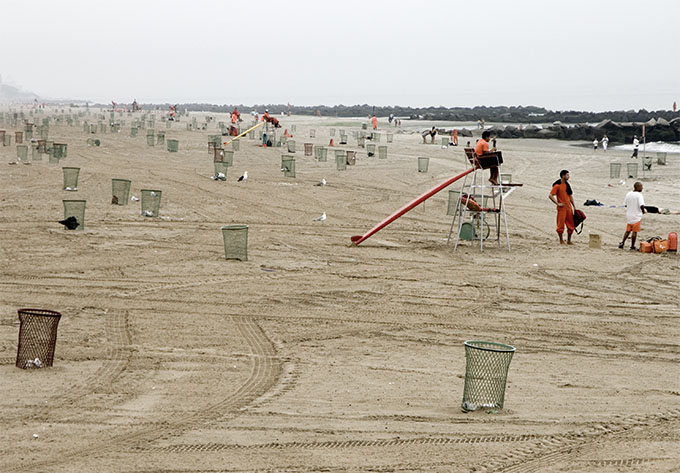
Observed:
{"x":562,"y":196}
{"x":374,"y":122}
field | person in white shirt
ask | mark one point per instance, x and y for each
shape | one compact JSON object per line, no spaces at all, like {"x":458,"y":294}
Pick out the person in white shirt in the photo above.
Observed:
{"x":636,"y":145}
{"x":635,"y":207}
{"x":605,"y":142}
{"x":595,"y":142}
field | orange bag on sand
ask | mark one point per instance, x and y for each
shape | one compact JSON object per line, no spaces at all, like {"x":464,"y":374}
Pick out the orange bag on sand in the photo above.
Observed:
{"x":660,"y":246}
{"x":645,"y":247}
{"x":672,"y":241}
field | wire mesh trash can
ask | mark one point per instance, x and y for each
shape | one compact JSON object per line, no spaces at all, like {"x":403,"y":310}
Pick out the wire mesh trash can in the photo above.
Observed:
{"x":452,"y":206}
{"x":506,"y":178}
{"x":60,"y":150}
{"x":22,"y":153}
{"x":323,"y":155}
{"x":221,"y":168}
{"x":36,"y":155}
{"x":228,"y":157}
{"x":370,"y":149}
{"x":291,"y":146}
{"x":288,"y":166}
{"x":37,"y":338}
{"x":309,"y":147}
{"x":632,"y":170}
{"x":486,"y":372}
{"x":332,"y":131}
{"x":151,"y":202}
{"x":614,"y":170}
{"x":120,"y":191}
{"x":351,"y":157}
{"x":361,"y":141}
{"x":661,"y":158}
{"x":18,"y":137}
{"x":382,"y":152}
{"x":71,"y":178}
{"x":423,"y":164}
{"x":173,"y":145}
{"x":341,"y":161}
{"x":134,"y":131}
{"x":445,"y":142}
{"x":150,"y":138}
{"x":160,"y":138}
{"x":312,"y":133}
{"x":375,"y":137}
{"x":235,"y":145}
{"x":75,"y":208}
{"x":235,"y":242}
{"x":390,"y":137}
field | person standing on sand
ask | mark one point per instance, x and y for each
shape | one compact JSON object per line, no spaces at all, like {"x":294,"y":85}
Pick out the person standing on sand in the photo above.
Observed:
{"x":595,"y":142}
{"x":605,"y":142}
{"x":635,"y":207}
{"x":636,"y":146}
{"x":562,"y":196}
{"x":374,"y":122}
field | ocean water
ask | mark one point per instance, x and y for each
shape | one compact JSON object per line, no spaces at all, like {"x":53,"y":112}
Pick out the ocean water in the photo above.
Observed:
{"x":653,"y":147}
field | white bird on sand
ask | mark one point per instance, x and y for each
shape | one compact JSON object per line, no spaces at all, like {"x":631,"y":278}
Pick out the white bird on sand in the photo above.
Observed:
{"x":321,"y":219}
{"x":244,"y":177}
{"x":322,"y":183}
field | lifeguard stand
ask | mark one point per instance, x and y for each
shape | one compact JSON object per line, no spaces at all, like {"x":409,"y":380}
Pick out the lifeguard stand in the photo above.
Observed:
{"x":480,"y":211}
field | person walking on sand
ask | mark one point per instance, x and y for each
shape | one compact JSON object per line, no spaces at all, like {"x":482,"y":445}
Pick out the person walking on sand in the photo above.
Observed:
{"x":636,"y":146}
{"x":605,"y":142}
{"x":562,"y":196}
{"x":595,"y":142}
{"x":635,"y":207}
{"x":374,"y":122}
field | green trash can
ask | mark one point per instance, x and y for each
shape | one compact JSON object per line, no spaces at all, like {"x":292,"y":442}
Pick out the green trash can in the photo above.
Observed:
{"x":29,"y":135}
{"x":288,"y":166}
{"x":150,"y":138}
{"x":228,"y":157}
{"x":390,"y":137}
{"x":36,"y":155}
{"x":70,"y":178}
{"x":160,"y":138}
{"x":454,"y":197}
{"x":370,"y":149}
{"x":236,"y":145}
{"x":120,"y":191}
{"x":341,"y":161}
{"x":632,"y":170}
{"x":75,"y":208}
{"x":291,"y":146}
{"x":22,"y":153}
{"x":173,"y":146}
{"x":486,"y":372}
{"x":382,"y":152}
{"x":445,"y":142}
{"x":660,"y":158}
{"x":8,"y":140}
{"x":59,"y":150}
{"x":423,"y":164}
{"x":151,"y":202}
{"x":37,"y":338}
{"x":614,"y":170}
{"x":134,"y":131}
{"x":220,"y":168}
{"x":323,"y":155}
{"x":235,"y":242}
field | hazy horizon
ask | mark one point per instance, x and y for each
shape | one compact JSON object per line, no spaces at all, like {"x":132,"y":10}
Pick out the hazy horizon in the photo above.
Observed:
{"x":599,"y":56}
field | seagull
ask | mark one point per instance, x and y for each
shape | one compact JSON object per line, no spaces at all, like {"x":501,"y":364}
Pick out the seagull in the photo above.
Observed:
{"x":244,"y":177}
{"x":322,"y":183}
{"x":321,"y":219}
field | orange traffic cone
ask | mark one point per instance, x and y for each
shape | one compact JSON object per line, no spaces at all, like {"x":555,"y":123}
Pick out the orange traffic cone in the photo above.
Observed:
{"x":331,"y":143}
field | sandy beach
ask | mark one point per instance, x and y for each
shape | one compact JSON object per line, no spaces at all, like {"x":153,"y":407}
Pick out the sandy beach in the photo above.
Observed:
{"x":315,"y":355}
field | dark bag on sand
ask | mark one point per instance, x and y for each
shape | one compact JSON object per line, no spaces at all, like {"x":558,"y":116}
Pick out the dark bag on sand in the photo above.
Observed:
{"x":579,"y":217}
{"x":592,"y":202}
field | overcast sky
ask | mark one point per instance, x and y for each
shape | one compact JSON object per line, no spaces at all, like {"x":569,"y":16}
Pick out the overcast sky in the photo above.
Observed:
{"x":568,"y":54}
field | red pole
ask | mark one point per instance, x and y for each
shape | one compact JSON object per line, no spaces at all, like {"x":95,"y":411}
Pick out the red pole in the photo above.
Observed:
{"x":357,"y":239}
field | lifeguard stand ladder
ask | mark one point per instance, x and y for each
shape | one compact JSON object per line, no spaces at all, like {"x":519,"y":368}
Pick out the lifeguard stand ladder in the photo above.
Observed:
{"x":478,"y":224}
